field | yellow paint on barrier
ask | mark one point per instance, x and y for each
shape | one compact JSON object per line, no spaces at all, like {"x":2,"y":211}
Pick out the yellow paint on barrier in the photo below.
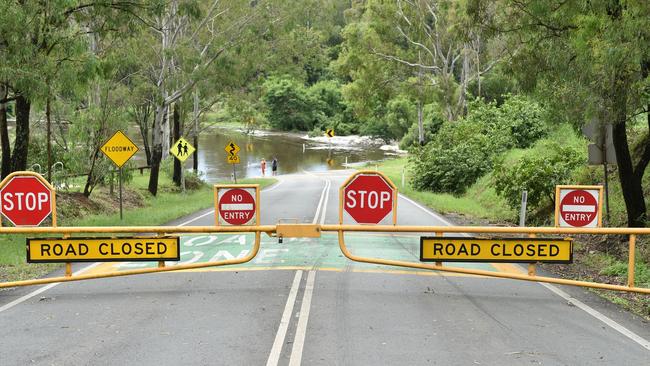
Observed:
{"x":53,"y":250}
{"x":512,"y":250}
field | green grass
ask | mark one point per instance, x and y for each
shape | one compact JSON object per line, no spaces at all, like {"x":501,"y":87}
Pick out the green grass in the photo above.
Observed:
{"x":479,"y":201}
{"x":168,"y":205}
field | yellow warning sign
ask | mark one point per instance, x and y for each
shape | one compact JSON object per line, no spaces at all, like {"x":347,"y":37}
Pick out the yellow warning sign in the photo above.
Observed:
{"x":102,"y":249}
{"x":329,"y":132}
{"x":232,"y":148}
{"x":182,"y":149}
{"x":233,"y":159}
{"x":513,"y":250}
{"x":119,"y":148}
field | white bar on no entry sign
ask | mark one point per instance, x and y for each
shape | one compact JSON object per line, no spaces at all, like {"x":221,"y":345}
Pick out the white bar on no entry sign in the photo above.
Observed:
{"x":578,"y":208}
{"x":236,"y":206}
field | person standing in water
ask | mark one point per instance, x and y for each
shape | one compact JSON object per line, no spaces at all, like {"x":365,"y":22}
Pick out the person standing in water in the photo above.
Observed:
{"x":274,"y":166}
{"x":263,"y":166}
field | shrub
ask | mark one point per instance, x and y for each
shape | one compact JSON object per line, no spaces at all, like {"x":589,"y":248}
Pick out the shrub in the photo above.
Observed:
{"x":538,"y":171}
{"x":289,"y":105}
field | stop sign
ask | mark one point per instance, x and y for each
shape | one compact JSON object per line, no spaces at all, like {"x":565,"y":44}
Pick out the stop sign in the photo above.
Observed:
{"x":368,"y":198}
{"x":25,"y":201}
{"x":236,"y":207}
{"x":579,"y":208}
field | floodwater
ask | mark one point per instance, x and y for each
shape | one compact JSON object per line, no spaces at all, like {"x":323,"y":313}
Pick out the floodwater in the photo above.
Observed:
{"x":294,"y":153}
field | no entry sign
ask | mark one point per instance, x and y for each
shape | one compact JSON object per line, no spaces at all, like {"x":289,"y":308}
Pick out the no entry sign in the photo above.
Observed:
{"x":578,"y":206}
{"x":236,"y":205}
{"x":368,"y":197}
{"x":25,"y":200}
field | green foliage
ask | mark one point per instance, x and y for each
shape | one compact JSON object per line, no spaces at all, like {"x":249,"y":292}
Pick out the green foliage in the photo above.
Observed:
{"x":432,"y":120}
{"x":537,"y":171}
{"x":463,"y":151}
{"x":400,"y":114}
{"x":289,"y":105}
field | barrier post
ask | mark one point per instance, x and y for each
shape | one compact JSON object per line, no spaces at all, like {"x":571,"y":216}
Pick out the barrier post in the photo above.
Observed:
{"x":630,"y":264}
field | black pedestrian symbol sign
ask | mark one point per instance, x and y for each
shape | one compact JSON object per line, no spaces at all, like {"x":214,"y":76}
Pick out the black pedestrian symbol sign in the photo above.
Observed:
{"x":182,"y":149}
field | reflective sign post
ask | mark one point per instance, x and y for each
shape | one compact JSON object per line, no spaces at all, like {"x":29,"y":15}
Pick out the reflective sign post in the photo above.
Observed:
{"x":119,"y":148}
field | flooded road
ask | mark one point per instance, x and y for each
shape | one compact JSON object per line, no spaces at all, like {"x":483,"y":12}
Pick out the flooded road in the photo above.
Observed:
{"x":294,"y":152}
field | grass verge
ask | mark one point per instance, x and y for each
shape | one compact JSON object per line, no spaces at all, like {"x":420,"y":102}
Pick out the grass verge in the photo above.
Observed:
{"x":480,"y":201}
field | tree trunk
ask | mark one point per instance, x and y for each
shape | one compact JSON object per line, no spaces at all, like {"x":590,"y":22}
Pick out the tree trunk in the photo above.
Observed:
{"x":4,"y":135}
{"x":630,"y":182}
{"x":21,"y":145}
{"x":195,"y":160}
{"x":176,"y":177}
{"x":156,"y":148}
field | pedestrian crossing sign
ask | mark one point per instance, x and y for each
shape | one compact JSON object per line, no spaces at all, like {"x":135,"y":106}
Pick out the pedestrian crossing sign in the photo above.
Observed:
{"x":181,"y":149}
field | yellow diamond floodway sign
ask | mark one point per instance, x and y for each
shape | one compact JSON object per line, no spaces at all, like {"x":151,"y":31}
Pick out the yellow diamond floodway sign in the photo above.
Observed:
{"x":182,"y":149}
{"x":119,"y":148}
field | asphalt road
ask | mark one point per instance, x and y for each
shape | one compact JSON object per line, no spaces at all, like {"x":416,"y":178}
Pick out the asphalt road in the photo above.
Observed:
{"x":302,"y":302}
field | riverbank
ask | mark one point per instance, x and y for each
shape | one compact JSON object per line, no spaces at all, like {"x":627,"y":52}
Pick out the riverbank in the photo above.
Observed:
{"x":102,"y":209}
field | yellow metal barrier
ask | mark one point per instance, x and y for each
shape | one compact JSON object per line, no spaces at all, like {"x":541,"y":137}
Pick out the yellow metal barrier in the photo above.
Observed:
{"x":290,"y":230}
{"x":531,"y":276}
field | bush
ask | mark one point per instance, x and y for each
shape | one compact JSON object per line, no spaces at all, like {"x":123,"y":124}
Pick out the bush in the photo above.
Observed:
{"x":538,"y":171}
{"x":464,"y":150}
{"x":289,"y":105}
{"x":432,"y":121}
{"x":454,"y":160}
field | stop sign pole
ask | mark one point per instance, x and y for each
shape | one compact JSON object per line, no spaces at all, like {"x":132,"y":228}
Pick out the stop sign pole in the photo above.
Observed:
{"x":371,"y":204}
{"x":46,"y":184}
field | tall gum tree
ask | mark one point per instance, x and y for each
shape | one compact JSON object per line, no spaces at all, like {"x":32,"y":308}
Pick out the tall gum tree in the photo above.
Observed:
{"x":590,"y":60}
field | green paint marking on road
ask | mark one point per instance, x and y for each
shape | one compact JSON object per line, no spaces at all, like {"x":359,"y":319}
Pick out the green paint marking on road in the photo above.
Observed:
{"x":316,"y":253}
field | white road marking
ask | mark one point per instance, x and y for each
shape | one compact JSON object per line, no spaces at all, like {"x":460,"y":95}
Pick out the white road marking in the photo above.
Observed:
{"x":598,"y":315}
{"x":301,"y":331}
{"x":320,"y":202}
{"x":41,"y":290}
{"x":211,"y":212}
{"x":276,"y":185}
{"x":327,"y":198}
{"x":274,"y":357}
{"x":586,"y":308}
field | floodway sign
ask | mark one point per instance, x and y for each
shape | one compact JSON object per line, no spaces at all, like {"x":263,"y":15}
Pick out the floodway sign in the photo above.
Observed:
{"x":26,"y":200}
{"x":119,"y":148}
{"x":55,"y":250}
{"x":236,"y":204}
{"x":368,"y":197}
{"x":578,"y":206}
{"x":511,"y":250}
{"x":181,"y":149}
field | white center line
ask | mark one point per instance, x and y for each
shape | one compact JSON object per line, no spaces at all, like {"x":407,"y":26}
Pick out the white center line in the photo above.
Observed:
{"x":274,"y":357}
{"x":327,"y":198}
{"x":301,"y":331}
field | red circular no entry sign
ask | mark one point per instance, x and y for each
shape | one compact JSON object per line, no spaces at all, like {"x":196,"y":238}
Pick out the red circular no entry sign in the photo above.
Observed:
{"x":237,"y":206}
{"x":25,"y":201}
{"x":579,"y":208}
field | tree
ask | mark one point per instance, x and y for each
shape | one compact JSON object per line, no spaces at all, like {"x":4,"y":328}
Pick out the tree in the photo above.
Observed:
{"x":591,"y":61}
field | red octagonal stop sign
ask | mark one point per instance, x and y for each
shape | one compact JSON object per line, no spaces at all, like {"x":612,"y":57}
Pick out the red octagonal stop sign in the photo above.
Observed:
{"x":236,"y":206}
{"x":25,"y":201}
{"x":368,"y":198}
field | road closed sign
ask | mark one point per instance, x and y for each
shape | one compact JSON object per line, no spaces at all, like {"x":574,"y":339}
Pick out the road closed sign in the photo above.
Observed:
{"x":56,"y":250}
{"x":368,"y":197}
{"x":26,"y":200}
{"x":511,"y":250}
{"x":236,"y":204}
{"x":578,"y":206}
